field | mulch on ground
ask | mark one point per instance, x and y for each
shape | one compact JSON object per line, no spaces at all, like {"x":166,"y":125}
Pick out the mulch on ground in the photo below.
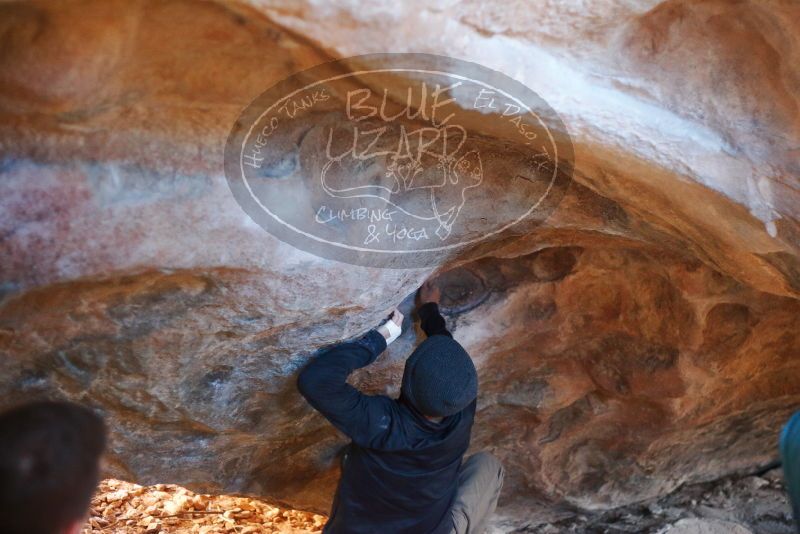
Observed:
{"x":122,"y":507}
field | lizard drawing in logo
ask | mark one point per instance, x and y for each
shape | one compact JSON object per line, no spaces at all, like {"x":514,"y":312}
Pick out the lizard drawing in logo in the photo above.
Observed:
{"x":423,"y":173}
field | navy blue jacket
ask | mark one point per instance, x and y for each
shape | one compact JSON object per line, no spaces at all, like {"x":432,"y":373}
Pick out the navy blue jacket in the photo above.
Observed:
{"x":400,"y":472}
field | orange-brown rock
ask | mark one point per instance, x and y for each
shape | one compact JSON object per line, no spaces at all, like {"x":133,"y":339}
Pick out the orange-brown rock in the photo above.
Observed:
{"x":645,"y":336}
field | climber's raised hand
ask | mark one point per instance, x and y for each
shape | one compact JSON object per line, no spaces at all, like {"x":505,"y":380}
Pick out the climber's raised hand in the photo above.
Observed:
{"x":429,"y":292}
{"x":391,"y":329}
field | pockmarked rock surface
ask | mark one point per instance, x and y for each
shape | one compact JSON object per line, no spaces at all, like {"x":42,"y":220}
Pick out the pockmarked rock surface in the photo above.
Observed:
{"x":754,"y":503}
{"x":644,"y":336}
{"x":706,"y":526}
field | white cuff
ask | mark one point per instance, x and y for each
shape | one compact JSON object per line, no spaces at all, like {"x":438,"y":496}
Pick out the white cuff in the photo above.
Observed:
{"x":394,"y":330}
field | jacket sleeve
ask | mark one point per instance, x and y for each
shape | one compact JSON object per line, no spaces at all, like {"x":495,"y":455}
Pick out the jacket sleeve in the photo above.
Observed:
{"x":431,"y":320}
{"x":323,"y":383}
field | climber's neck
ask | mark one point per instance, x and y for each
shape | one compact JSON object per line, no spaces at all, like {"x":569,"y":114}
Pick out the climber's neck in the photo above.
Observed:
{"x":434,"y":419}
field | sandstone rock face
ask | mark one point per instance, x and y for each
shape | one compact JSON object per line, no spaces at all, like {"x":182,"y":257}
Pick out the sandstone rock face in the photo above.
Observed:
{"x":646,"y":335}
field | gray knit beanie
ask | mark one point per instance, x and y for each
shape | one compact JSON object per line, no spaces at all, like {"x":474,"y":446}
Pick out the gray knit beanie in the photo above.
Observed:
{"x":439,"y":377}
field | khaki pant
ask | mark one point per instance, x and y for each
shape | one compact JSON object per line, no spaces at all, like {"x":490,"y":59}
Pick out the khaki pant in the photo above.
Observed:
{"x":479,"y":482}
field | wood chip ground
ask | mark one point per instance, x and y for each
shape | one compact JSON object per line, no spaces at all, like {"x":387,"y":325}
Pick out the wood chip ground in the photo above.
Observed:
{"x":122,"y":507}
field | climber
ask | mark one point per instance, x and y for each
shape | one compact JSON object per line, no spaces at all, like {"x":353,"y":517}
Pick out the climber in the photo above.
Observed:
{"x":403,"y":470}
{"x":49,"y":467}
{"x":790,"y":457}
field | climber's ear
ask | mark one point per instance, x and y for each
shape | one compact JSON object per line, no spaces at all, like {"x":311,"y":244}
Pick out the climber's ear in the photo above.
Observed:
{"x":76,"y":526}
